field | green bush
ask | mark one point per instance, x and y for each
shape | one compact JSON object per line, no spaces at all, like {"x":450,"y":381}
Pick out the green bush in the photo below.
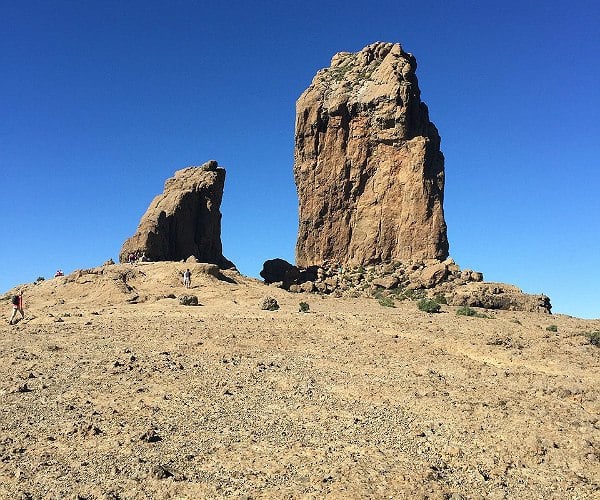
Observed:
{"x":269,"y":304}
{"x":304,"y":307}
{"x":466,"y":311}
{"x":440,"y":298}
{"x":386,"y":302}
{"x":39,"y":279}
{"x":428,"y":305}
{"x":594,"y":338}
{"x":552,"y":328}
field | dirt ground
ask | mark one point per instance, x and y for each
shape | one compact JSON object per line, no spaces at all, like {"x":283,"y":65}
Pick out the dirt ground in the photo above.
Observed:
{"x":112,"y":389}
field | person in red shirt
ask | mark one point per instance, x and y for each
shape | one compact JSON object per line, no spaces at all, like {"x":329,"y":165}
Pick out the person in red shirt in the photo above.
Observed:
{"x":17,"y":303}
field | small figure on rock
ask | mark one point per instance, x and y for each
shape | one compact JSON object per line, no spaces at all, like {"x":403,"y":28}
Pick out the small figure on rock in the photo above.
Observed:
{"x":187,"y":278}
{"x":17,"y":304}
{"x":58,"y":273}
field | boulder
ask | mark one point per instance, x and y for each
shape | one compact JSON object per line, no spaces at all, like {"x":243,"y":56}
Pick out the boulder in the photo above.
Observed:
{"x":279,"y":270}
{"x":368,"y":167}
{"x":184,"y":220}
{"x":188,"y":300}
{"x":269,"y":304}
{"x":433,"y":275}
{"x":469,"y":275}
{"x":308,"y":274}
{"x":332,"y":282}
{"x":210,"y":269}
{"x":476,"y":276}
{"x":387,"y":282}
{"x":307,"y":286}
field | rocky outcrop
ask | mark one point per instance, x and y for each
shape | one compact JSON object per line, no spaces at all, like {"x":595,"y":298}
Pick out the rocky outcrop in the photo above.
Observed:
{"x":184,"y":220}
{"x":498,"y":296}
{"x":416,"y":280}
{"x":368,"y":167}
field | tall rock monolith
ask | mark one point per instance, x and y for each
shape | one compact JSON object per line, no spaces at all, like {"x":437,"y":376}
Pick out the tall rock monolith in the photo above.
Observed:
{"x":185,"y":220}
{"x":368,"y":167}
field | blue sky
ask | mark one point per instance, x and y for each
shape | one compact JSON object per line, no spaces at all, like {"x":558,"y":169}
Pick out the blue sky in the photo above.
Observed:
{"x":102,"y":101}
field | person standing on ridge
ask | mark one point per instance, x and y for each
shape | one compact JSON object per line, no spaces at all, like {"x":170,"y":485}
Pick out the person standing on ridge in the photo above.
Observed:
{"x":17,"y":303}
{"x":187,"y":279}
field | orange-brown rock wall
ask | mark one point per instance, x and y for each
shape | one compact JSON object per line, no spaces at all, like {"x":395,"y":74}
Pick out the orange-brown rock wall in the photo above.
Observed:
{"x":184,"y":220}
{"x":368,"y":167}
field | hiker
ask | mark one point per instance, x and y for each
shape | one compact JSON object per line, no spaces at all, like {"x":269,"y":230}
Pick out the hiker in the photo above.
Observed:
{"x":58,"y":273}
{"x":17,"y":303}
{"x":187,"y":279}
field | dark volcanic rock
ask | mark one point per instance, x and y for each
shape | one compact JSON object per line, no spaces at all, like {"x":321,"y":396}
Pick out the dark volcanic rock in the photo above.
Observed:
{"x":184,"y":220}
{"x":368,"y":166}
{"x":277,"y":270}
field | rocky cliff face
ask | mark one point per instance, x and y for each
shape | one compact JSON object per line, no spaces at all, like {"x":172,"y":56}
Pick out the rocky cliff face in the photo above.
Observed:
{"x":368,"y":166}
{"x":184,"y":220}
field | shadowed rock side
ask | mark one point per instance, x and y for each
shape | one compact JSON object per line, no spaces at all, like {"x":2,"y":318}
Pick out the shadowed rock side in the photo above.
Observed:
{"x":368,"y":167}
{"x":184,"y":220}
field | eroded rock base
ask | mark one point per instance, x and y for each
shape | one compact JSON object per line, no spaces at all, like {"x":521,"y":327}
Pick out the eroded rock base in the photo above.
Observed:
{"x":444,"y":280}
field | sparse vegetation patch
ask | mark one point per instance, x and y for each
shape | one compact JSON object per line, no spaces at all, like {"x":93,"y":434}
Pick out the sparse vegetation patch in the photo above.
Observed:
{"x":386,"y":302}
{"x":469,"y":311}
{"x":440,"y":298}
{"x":593,"y":338}
{"x":466,"y":311}
{"x":269,"y":304}
{"x":428,"y":305}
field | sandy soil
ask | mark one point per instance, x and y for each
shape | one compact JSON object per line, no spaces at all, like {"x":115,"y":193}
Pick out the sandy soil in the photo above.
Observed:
{"x":110,"y":390}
